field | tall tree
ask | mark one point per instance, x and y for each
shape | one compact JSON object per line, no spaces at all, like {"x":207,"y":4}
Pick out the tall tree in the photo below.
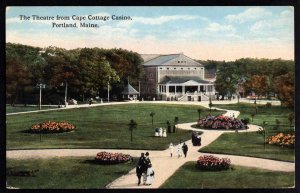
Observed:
{"x":260,"y":84}
{"x":16,"y":80}
{"x":285,"y":87}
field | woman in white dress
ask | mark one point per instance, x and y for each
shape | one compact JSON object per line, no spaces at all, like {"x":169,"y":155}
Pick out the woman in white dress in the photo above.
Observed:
{"x":150,"y":175}
{"x":179,"y":150}
{"x":171,"y":149}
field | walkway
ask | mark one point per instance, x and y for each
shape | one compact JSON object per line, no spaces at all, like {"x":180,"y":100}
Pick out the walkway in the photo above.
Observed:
{"x":163,"y":165}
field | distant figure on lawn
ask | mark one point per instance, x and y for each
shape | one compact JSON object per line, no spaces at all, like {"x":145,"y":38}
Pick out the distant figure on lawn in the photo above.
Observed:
{"x":146,"y":166}
{"x":171,"y":149}
{"x":179,"y":150}
{"x":140,"y":168}
{"x":184,"y":149}
{"x":150,"y":175}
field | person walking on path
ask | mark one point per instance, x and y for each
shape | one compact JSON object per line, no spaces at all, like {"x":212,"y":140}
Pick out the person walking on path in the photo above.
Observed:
{"x":184,"y":149}
{"x":146,"y":166}
{"x":150,"y":175}
{"x":199,"y":138}
{"x":179,"y":150}
{"x":140,"y":168}
{"x":171,"y":149}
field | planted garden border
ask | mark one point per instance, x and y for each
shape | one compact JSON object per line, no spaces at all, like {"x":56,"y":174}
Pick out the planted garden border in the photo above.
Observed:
{"x":221,"y":122}
{"x":52,"y":127}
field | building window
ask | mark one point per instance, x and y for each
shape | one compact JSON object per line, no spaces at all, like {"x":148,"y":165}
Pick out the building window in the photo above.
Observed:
{"x":195,"y":68}
{"x":181,"y":68}
{"x":178,"y":61}
{"x":174,"y":68}
{"x":167,"y":68}
{"x":160,"y":68}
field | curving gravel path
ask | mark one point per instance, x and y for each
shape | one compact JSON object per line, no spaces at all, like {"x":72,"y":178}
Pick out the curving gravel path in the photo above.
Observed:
{"x":163,"y":165}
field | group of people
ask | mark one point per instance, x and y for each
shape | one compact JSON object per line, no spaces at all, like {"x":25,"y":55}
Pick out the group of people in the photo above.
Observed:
{"x":144,"y":168}
{"x":181,"y":148}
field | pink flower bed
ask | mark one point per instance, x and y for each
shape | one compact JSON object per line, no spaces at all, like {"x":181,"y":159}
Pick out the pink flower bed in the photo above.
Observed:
{"x":221,"y":122}
{"x":209,"y":162}
{"x":112,"y":158}
{"x":52,"y":127}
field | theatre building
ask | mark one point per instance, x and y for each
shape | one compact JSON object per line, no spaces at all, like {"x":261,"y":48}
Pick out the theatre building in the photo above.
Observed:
{"x":175,"y":77}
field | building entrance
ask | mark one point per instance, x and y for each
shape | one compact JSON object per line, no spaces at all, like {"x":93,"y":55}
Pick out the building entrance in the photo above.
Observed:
{"x":191,"y":88}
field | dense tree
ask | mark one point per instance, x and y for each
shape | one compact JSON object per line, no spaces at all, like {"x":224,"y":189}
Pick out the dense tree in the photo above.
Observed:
{"x":96,"y":72}
{"x":61,"y":71}
{"x":227,"y":80}
{"x":251,"y":75}
{"x":285,"y":87}
{"x":90,"y":71}
{"x":128,"y":66}
{"x":24,"y":69}
{"x":16,"y":80}
{"x":259,"y":84}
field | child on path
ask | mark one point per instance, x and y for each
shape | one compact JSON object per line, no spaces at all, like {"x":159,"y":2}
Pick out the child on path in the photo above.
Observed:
{"x":179,"y":150}
{"x":171,"y":149}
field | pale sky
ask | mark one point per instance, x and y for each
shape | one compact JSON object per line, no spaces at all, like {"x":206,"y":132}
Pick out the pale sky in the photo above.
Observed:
{"x":214,"y":33}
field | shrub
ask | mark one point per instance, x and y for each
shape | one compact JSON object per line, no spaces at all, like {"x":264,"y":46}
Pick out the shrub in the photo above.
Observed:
{"x":212,"y":163}
{"x":112,"y":158}
{"x":282,"y":140}
{"x":52,"y":127}
{"x":245,"y":121}
{"x":268,"y":104}
{"x":221,"y":122}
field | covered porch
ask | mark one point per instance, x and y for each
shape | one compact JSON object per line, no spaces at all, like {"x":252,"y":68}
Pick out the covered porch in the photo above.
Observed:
{"x":186,"y":90}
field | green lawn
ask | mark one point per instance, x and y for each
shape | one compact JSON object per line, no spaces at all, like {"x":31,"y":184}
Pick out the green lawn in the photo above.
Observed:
{"x":15,"y":109}
{"x":188,"y":176}
{"x":251,"y":144}
{"x":264,"y":114}
{"x":65,"y":173}
{"x":103,"y":127}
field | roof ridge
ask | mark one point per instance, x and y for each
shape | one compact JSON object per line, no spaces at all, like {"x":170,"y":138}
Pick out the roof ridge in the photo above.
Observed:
{"x":160,"y":56}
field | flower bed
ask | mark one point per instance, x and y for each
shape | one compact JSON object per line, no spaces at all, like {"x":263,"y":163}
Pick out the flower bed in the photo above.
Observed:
{"x":283,"y":140}
{"x":112,"y":158}
{"x":212,"y":163}
{"x":221,"y":122}
{"x":52,"y":127}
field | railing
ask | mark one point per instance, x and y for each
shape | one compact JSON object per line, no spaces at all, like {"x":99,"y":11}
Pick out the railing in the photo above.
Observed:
{"x":204,"y":96}
{"x":182,"y":97}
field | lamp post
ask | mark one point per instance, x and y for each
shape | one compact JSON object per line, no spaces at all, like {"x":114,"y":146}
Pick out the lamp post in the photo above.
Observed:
{"x":139,"y":89}
{"x":108,"y":91}
{"x":228,"y":92}
{"x":66,"y":91}
{"x":40,"y":86}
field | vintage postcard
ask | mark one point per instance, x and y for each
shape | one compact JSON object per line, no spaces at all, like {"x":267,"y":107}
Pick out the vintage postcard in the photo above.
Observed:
{"x":160,"y":97}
